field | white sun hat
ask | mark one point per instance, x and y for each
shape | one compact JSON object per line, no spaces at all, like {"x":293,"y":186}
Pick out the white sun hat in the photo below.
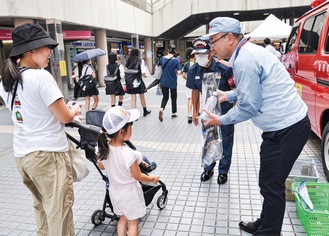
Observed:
{"x":117,"y":117}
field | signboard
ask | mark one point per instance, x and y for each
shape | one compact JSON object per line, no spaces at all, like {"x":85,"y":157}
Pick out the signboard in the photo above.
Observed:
{"x":76,"y":34}
{"x":67,"y":34}
{"x":5,"y":34}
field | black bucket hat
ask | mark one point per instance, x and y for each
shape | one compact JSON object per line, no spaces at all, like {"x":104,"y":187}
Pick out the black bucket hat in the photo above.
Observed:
{"x":28,"y":37}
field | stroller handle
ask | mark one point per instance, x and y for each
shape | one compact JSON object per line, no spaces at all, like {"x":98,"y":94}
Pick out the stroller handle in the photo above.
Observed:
{"x":83,"y":126}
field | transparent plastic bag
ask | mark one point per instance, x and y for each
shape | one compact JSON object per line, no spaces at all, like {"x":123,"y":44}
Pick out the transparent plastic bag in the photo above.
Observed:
{"x":212,"y":148}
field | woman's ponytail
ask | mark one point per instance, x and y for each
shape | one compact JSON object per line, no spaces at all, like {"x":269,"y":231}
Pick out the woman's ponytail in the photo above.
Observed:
{"x":10,"y":74}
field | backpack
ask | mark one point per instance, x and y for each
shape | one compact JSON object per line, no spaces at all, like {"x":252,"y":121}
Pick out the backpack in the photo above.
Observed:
{"x":109,"y":76}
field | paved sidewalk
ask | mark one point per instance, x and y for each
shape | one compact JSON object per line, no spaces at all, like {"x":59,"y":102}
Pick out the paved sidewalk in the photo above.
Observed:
{"x":193,"y":208}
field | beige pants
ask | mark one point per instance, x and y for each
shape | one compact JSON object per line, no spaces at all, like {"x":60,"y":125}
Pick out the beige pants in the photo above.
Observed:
{"x":48,"y":175}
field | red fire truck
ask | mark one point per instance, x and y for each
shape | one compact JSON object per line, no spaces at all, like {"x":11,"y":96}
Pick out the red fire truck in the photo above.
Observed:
{"x":307,"y":60}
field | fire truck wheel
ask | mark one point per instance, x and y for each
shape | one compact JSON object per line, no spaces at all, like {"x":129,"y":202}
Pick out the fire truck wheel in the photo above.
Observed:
{"x":325,"y":150}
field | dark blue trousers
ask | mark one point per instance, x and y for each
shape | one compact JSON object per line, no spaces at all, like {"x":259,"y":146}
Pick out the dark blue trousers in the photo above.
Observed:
{"x":278,"y":153}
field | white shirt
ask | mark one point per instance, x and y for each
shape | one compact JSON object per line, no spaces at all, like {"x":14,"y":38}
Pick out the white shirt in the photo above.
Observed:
{"x":118,"y":162}
{"x":35,"y":126}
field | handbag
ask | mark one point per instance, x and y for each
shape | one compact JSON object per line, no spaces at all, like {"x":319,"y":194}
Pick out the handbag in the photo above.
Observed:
{"x":159,"y":69}
{"x":87,"y":83}
{"x":78,"y":162}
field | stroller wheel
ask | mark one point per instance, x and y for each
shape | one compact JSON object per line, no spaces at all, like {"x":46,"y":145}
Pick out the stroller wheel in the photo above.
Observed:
{"x":162,"y":201}
{"x":97,"y":217}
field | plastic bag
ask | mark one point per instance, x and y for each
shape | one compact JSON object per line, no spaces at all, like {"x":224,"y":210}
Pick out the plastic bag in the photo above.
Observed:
{"x":212,"y":148}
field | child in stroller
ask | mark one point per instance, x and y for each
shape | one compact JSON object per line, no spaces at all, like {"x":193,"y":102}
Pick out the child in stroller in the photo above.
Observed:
{"x":89,"y":134}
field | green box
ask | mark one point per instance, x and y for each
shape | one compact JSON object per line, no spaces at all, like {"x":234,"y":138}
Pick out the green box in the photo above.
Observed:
{"x":315,"y":222}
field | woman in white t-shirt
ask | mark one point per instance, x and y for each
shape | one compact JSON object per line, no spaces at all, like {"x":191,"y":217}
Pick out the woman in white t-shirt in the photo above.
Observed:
{"x":122,"y":168}
{"x":39,"y":113}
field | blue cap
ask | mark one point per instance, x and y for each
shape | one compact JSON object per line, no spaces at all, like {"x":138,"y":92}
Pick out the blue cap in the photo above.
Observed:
{"x":200,"y":46}
{"x":223,"y":25}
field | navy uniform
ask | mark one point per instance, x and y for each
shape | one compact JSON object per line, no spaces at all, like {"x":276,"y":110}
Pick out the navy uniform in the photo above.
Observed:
{"x":194,"y":82}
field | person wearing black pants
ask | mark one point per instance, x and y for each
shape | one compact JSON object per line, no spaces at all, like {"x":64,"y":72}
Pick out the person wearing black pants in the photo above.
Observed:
{"x":266,"y":94}
{"x":171,"y":68}
{"x":173,"y":97}
{"x":278,"y":153}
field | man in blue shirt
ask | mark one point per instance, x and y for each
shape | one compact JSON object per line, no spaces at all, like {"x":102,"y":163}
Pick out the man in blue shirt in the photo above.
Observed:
{"x":205,"y":62}
{"x":264,"y":93}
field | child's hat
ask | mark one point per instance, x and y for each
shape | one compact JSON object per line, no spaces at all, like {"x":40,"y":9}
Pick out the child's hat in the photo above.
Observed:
{"x":117,"y":117}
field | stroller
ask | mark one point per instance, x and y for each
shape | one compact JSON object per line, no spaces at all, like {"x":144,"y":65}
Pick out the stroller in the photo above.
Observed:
{"x":88,"y":142}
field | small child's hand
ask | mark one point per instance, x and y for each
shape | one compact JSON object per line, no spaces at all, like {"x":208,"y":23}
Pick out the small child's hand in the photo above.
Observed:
{"x":155,"y":178}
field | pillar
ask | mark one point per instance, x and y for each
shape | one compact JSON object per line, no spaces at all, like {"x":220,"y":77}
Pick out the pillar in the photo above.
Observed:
{"x":135,"y":41}
{"x":148,"y":53}
{"x":57,"y":62}
{"x":102,"y":61}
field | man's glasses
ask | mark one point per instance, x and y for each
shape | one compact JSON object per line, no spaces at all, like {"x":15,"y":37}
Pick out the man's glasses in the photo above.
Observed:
{"x":212,"y":43}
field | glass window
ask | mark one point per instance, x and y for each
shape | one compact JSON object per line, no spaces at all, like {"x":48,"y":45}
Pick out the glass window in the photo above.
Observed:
{"x":292,"y":39}
{"x":309,"y":39}
{"x":302,"y":47}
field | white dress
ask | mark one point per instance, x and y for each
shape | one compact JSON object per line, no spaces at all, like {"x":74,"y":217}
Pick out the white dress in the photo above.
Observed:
{"x":125,"y":192}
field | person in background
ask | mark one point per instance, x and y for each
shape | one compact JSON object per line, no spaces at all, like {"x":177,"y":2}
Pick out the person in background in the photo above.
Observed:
{"x":169,"y":81}
{"x":133,"y":62}
{"x":122,"y":167}
{"x":191,"y":59}
{"x":110,"y":69}
{"x":85,"y":68}
{"x":283,"y":46}
{"x":268,"y":46}
{"x":205,"y":63}
{"x":144,"y":69}
{"x":40,"y":144}
{"x":75,"y":78}
{"x":266,"y":94}
{"x":271,"y":49}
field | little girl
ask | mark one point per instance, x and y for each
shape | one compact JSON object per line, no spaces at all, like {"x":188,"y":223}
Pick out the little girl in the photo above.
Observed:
{"x":122,"y":167}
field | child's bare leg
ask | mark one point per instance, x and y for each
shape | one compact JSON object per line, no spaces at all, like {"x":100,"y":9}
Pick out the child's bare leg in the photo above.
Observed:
{"x":132,"y":227}
{"x":122,"y":226}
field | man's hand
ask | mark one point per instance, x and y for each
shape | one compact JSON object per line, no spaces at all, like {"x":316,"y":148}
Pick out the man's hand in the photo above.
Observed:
{"x":213,"y":119}
{"x":222,"y":96}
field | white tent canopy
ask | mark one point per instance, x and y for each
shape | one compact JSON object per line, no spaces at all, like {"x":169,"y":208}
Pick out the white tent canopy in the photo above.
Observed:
{"x":271,"y":28}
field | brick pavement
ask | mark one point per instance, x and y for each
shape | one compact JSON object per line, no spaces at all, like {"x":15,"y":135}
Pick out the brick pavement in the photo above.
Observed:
{"x":193,"y":208}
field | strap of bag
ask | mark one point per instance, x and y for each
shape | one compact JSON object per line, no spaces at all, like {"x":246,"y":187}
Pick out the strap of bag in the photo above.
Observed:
{"x":166,"y":63}
{"x":86,"y":71}
{"x":115,"y":71}
{"x":137,"y":65}
{"x":22,"y":69}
